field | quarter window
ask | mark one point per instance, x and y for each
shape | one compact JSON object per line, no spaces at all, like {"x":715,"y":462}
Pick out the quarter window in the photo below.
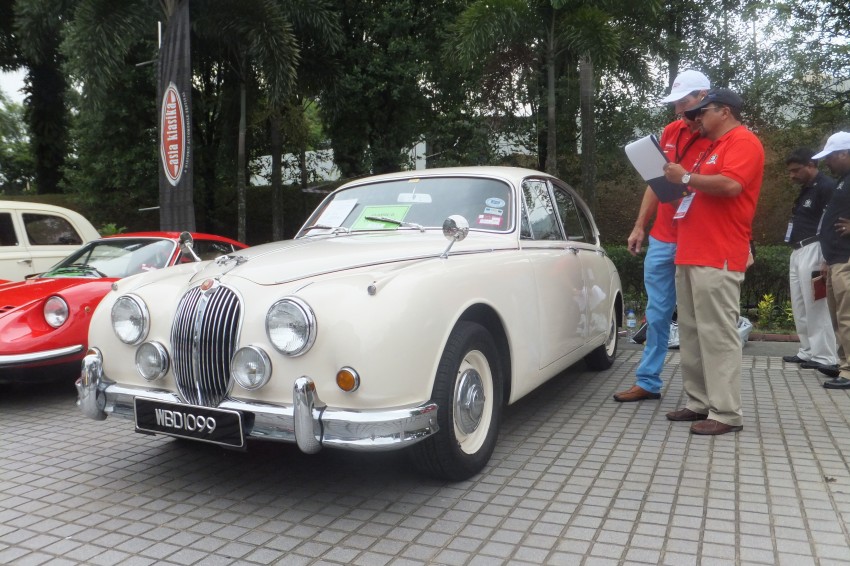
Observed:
{"x":50,"y":230}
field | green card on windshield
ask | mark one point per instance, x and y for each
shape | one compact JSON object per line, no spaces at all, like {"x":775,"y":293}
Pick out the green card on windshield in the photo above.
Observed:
{"x":392,"y":212}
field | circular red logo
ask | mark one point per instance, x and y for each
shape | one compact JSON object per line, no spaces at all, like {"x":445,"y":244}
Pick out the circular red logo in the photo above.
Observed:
{"x":172,"y":143}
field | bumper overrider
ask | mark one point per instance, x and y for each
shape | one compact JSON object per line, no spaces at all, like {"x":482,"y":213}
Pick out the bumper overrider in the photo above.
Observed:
{"x":307,"y":421}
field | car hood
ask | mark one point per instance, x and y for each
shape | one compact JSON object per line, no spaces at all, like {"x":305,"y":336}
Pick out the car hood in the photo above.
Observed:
{"x":20,"y":293}
{"x":292,"y":260}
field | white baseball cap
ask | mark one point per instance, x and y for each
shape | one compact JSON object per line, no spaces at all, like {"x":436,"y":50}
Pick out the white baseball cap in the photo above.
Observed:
{"x":836,"y":142}
{"x":686,"y":82}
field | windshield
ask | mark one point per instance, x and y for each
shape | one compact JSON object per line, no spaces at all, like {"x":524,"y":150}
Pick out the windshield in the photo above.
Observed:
{"x":118,"y":257}
{"x":410,"y":203}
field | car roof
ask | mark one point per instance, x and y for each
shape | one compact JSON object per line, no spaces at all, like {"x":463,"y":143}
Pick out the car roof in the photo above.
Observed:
{"x":512,"y":174}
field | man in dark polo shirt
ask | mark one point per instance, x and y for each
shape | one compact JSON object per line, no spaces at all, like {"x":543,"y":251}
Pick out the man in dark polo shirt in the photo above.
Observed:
{"x":811,"y":317}
{"x":835,"y":245}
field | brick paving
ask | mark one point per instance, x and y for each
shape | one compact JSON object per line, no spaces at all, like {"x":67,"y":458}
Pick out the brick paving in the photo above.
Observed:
{"x":576,"y":479}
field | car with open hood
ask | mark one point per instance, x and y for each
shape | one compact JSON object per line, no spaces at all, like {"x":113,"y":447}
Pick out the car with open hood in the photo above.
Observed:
{"x":44,"y":320}
{"x":406,"y":313}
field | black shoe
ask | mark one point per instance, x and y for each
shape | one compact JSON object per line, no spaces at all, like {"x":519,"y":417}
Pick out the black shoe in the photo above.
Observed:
{"x":837,"y":383}
{"x":793,"y":359}
{"x":831,"y":371}
{"x":812,"y":365}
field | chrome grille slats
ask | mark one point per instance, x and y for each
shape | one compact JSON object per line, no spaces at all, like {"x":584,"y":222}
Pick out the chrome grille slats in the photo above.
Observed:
{"x":203,"y":338}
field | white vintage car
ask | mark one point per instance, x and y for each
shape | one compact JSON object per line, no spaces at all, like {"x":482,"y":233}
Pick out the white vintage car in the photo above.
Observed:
{"x":409,"y":309}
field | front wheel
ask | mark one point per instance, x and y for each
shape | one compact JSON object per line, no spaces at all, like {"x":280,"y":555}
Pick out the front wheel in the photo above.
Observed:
{"x":468,"y":393}
{"x":602,"y":357}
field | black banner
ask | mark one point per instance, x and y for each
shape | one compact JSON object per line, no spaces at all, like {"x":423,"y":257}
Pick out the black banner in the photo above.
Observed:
{"x":176,"y":208}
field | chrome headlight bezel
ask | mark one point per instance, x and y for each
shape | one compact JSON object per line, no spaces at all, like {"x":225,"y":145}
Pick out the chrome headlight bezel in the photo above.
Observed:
{"x":236,"y":365}
{"x":292,"y":306}
{"x":162,"y":358}
{"x":138,"y":309}
{"x":55,"y":311}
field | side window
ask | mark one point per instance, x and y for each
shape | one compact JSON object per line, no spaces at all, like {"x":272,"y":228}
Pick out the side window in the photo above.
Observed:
{"x":575,"y":223}
{"x":525,"y":227}
{"x":50,"y":230}
{"x":7,"y":230}
{"x":541,"y":212}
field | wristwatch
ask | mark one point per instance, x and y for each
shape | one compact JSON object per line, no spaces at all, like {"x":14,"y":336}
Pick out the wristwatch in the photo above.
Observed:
{"x":686,"y":178}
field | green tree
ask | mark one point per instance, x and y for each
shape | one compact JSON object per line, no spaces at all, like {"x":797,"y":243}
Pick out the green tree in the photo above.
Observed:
{"x":17,"y":167}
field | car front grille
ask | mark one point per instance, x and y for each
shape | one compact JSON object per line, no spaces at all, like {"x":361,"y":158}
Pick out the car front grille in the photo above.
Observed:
{"x":203,"y":339}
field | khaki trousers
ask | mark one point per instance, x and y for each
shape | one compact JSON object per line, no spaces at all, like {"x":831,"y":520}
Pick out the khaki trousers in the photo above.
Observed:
{"x":838,"y":298}
{"x":709,"y":304}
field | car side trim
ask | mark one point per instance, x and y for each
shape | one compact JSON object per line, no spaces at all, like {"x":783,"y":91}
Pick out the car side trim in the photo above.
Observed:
{"x":307,"y":422}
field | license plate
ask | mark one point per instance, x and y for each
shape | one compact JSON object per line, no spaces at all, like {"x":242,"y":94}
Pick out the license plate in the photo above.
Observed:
{"x":217,"y":426}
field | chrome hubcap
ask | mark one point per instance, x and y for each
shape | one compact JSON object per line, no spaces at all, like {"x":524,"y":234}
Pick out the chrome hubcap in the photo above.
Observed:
{"x":469,"y":402}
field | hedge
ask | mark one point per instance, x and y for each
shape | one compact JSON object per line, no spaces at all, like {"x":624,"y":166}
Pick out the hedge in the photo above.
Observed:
{"x":769,"y":275}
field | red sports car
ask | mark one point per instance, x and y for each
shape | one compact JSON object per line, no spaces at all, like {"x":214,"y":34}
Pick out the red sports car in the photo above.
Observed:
{"x":44,"y":321}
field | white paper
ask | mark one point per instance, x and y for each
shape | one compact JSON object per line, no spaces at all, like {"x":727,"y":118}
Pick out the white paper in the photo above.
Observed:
{"x":336,"y":212}
{"x":646,"y":157}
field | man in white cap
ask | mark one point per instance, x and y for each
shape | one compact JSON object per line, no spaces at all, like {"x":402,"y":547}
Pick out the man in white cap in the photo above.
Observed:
{"x":682,"y":143}
{"x":834,"y":239}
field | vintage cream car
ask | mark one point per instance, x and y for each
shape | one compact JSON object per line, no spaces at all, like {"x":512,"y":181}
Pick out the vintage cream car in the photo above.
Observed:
{"x":409,"y":309}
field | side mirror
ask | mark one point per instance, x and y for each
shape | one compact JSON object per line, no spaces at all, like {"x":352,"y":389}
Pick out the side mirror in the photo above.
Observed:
{"x":187,"y":243}
{"x":455,"y":229}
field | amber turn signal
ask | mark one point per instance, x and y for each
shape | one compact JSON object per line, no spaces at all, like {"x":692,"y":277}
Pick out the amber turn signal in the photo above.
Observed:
{"x":347,"y":379}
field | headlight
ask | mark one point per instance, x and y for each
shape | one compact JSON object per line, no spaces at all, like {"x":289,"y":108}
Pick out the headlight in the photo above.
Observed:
{"x":55,"y":311}
{"x":251,"y":367}
{"x":291,"y":326}
{"x":151,"y":360}
{"x":130,"y":319}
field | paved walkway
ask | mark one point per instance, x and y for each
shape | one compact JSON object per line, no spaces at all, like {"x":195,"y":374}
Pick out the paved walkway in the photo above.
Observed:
{"x":576,"y":479}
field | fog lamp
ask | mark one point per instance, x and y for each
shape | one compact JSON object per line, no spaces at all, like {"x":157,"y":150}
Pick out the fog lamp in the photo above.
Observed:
{"x":151,"y":360}
{"x":251,"y":367}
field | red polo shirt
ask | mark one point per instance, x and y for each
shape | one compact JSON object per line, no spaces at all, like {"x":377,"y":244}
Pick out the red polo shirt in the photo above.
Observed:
{"x":683,"y":146}
{"x":716,"y":230}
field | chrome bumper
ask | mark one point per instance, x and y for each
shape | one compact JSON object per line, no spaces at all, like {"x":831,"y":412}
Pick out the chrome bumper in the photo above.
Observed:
{"x":307,"y":422}
{"x":33,"y":357}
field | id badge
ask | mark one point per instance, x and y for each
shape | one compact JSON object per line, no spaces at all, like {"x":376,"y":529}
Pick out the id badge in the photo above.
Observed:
{"x":788,"y":232}
{"x":684,"y":206}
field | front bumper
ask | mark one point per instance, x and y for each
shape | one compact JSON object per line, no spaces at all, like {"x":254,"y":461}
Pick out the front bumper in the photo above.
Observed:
{"x":20,"y":360}
{"x":307,"y":422}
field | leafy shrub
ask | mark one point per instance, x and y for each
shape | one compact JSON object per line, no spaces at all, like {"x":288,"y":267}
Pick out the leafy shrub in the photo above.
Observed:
{"x":768,"y":276}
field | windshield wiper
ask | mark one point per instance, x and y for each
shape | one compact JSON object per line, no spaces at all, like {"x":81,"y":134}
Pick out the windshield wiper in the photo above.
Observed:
{"x":396,"y":222}
{"x":333,"y":229}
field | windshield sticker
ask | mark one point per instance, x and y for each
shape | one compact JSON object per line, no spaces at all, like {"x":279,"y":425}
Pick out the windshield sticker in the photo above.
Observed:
{"x":414,"y":197}
{"x":489,"y":220}
{"x":494,"y":202}
{"x":390,"y":212}
{"x":496,"y":211}
{"x":336,"y":212}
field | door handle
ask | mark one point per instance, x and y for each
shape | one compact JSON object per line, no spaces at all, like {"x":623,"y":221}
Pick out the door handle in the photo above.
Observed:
{"x":27,"y":261}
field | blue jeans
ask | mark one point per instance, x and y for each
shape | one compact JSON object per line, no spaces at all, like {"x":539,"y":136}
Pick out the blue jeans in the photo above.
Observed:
{"x":659,"y":278}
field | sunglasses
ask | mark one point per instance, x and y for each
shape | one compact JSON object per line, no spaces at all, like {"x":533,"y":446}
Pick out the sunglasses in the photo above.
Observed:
{"x":692,"y":114}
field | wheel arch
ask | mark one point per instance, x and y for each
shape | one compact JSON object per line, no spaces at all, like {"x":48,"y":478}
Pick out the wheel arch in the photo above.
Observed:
{"x":487,"y":317}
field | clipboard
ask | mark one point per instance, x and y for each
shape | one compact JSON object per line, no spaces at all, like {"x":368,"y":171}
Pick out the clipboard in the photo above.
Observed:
{"x":648,"y":159}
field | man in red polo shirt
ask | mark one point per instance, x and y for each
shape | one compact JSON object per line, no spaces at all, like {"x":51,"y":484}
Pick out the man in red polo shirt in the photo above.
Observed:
{"x":714,"y":232}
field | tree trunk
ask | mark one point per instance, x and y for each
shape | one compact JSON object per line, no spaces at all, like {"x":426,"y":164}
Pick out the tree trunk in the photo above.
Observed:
{"x":588,"y":132}
{"x":277,"y":178}
{"x":241,"y":161}
{"x":551,"y":122}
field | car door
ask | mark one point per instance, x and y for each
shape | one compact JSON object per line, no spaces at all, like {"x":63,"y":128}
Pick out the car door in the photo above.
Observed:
{"x":15,"y":259}
{"x":559,"y":280}
{"x":582,"y":237}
